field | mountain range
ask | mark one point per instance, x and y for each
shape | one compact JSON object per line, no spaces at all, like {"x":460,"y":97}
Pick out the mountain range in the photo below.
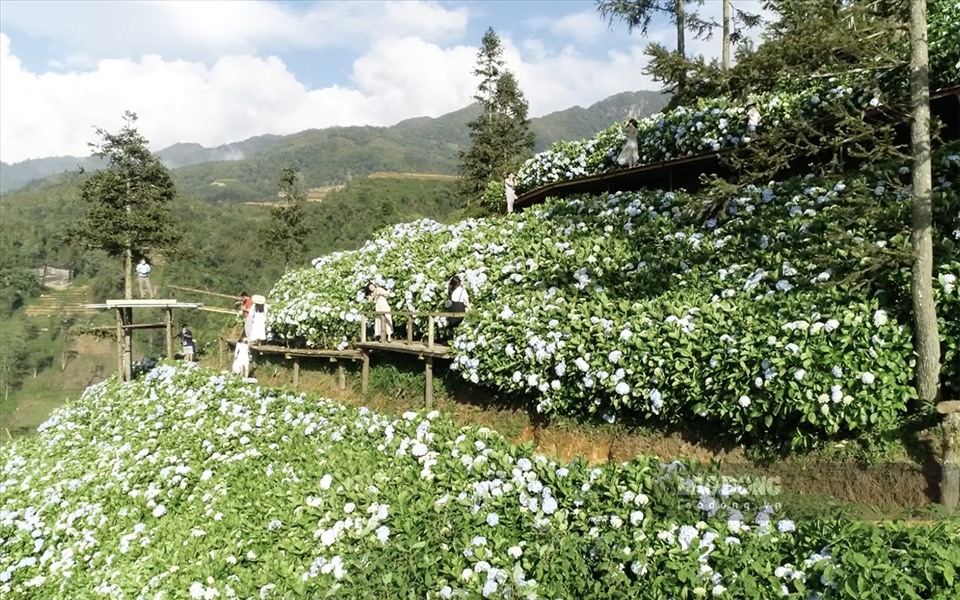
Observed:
{"x":249,"y":169}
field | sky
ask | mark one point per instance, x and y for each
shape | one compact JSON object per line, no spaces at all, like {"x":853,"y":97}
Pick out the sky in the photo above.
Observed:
{"x":214,"y":72}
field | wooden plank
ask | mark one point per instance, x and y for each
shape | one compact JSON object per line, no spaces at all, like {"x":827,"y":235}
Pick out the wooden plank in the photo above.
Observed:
{"x":296,"y":372}
{"x":217,"y":294}
{"x":417,"y":349}
{"x":341,"y":377}
{"x":428,"y":383}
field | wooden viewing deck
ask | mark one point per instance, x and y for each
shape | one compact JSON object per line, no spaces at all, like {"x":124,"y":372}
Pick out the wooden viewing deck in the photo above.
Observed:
{"x":426,"y":349}
{"x":685,"y":171}
{"x":125,"y":326}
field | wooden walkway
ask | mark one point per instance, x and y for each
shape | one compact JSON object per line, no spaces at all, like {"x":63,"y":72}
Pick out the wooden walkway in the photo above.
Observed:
{"x":685,"y":172}
{"x":426,"y":349}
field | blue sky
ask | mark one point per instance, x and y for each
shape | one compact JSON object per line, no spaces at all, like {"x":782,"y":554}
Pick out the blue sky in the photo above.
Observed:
{"x":216,"y":72}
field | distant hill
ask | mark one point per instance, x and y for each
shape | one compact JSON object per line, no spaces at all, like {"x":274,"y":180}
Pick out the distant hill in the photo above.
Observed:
{"x":248,"y":170}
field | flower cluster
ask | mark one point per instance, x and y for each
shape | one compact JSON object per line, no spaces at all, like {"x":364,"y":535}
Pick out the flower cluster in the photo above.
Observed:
{"x":760,"y":318}
{"x":188,"y":483}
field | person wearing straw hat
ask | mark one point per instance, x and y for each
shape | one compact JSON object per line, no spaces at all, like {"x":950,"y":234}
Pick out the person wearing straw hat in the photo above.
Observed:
{"x":258,"y":319}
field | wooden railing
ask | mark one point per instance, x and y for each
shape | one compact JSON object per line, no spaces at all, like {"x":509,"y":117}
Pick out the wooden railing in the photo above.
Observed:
{"x":431,"y":317}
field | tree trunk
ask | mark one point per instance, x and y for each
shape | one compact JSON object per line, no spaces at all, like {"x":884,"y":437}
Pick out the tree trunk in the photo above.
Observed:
{"x":726,"y":35}
{"x":927,"y":340}
{"x":681,"y":45}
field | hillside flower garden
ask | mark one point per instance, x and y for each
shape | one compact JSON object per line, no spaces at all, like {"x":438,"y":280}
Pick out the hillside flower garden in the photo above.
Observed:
{"x":189,"y":483}
{"x":761,"y":318}
{"x":716,"y":124}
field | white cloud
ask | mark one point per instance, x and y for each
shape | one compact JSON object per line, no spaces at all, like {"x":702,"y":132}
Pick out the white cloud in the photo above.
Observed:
{"x":241,"y":93}
{"x":205,"y":30}
{"x":584,"y":26}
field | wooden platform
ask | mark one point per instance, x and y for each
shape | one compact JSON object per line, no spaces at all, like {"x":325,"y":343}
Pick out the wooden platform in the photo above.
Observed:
{"x":348,"y":354}
{"x":418,"y":348}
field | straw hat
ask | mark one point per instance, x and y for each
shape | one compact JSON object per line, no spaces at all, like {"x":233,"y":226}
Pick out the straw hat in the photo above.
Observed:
{"x":258,"y":299}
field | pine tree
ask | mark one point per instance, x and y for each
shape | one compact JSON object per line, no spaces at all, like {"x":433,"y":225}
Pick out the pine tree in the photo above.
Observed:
{"x":129,"y":201}
{"x":500,"y":136}
{"x":638,"y":14}
{"x":285,"y":234}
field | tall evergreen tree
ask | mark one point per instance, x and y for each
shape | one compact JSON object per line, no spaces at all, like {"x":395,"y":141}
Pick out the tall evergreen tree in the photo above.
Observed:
{"x":638,"y":14}
{"x":129,"y":201}
{"x":501,"y":138}
{"x":285,"y":234}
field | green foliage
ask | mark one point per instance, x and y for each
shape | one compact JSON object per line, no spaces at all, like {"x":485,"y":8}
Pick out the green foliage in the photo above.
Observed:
{"x":195,"y":484}
{"x":128,"y":202}
{"x":286,"y":232}
{"x":500,"y":137}
{"x":779,"y":315}
{"x":494,"y":196}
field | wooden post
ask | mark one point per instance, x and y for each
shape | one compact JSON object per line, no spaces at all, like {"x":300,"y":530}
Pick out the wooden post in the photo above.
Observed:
{"x":950,"y":463}
{"x":363,"y":329}
{"x":341,"y":376}
{"x":221,"y":352}
{"x":128,"y":345}
{"x":120,"y":339}
{"x":170,"y":353}
{"x":428,"y":384}
{"x":364,"y":373}
{"x":296,"y":372}
{"x":383,"y":328}
{"x":409,"y":330}
{"x":430,"y":332}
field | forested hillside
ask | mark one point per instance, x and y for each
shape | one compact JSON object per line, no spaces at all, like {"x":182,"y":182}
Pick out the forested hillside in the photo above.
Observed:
{"x":247,"y":170}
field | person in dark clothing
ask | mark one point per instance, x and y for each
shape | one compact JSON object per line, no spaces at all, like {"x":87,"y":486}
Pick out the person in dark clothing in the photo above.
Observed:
{"x":186,"y":339}
{"x":457,"y":300}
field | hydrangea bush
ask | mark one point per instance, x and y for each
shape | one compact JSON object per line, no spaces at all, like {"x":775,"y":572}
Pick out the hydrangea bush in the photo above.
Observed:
{"x":764,"y":320}
{"x":192,"y":484}
{"x":715,"y":124}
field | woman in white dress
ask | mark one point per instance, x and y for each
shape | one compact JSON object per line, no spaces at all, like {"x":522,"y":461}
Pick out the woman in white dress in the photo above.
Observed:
{"x":379,"y":296}
{"x":258,"y":319}
{"x":241,"y":358}
{"x":630,"y":153}
{"x":510,"y":185}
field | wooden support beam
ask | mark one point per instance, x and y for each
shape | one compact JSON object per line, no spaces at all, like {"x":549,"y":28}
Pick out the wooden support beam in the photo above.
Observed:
{"x":170,"y":352}
{"x":428,"y":384}
{"x":120,"y":342}
{"x":221,"y":350}
{"x":410,"y":331}
{"x":363,"y":329}
{"x":365,"y":374}
{"x":296,"y":372}
{"x":341,"y":377}
{"x":128,"y":344}
{"x":430,"y":323}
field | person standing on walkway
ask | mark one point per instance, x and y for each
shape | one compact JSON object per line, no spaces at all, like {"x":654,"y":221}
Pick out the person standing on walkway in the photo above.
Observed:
{"x":258,"y":320}
{"x":244,"y":304}
{"x":241,"y":358}
{"x":630,"y":153}
{"x":457,"y":300}
{"x":143,"y":278}
{"x":379,"y":296}
{"x":186,"y":340}
{"x":509,"y":186}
